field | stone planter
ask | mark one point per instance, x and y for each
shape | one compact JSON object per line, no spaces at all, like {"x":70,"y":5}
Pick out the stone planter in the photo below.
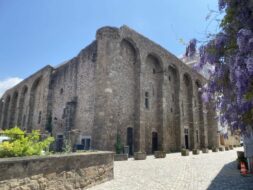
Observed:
{"x":226,"y":148}
{"x":140,"y":156}
{"x":221,"y":149}
{"x":185,"y":152}
{"x":215,"y":149}
{"x":195,"y":151}
{"x":120,"y":157}
{"x":160,"y":154}
{"x":231,"y":147}
{"x":234,"y":146}
{"x":205,"y":150}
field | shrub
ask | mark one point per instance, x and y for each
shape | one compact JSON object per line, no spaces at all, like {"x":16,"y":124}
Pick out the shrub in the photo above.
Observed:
{"x":22,"y":144}
{"x":118,"y":145}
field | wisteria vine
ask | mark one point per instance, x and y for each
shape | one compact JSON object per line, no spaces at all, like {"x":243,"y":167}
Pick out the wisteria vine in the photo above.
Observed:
{"x":231,"y":53}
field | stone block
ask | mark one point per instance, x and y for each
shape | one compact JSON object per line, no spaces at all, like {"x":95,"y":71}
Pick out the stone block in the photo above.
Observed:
{"x":195,"y":151}
{"x":160,"y":154}
{"x":205,"y":150}
{"x":185,"y":152}
{"x":120,"y":157}
{"x":57,"y":171}
{"x":140,"y":156}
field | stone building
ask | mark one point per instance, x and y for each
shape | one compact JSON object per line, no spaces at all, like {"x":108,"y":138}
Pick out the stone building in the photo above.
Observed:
{"x":121,"y":84}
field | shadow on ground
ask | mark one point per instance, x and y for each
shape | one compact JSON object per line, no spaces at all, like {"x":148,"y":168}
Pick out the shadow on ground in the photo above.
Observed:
{"x":229,"y":178}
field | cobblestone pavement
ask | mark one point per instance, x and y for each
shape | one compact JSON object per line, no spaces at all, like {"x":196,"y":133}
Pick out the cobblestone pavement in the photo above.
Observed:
{"x":195,"y":172}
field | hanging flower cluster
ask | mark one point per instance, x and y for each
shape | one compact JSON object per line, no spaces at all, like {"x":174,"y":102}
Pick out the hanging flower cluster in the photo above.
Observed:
{"x":231,"y":53}
{"x":191,"y":48}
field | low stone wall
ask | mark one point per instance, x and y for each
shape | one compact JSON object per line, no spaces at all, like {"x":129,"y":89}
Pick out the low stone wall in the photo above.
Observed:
{"x":56,"y":172}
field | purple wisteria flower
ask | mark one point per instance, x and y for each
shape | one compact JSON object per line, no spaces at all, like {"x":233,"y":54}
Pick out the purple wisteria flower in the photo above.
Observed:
{"x":243,"y":37}
{"x":191,"y":48}
{"x":249,"y":64}
{"x":230,"y":52}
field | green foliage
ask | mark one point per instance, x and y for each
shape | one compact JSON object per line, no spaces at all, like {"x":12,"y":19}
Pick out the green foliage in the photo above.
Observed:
{"x":22,"y":144}
{"x":118,"y":145}
{"x":67,"y":147}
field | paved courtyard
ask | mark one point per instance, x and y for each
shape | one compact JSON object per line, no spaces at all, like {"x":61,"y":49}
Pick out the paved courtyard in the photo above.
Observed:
{"x":195,"y":172}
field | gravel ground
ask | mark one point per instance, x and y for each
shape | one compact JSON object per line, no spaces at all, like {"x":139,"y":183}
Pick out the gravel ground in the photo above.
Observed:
{"x":195,"y":172}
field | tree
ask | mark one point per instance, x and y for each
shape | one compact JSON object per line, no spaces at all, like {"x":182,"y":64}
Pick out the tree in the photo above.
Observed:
{"x":23,"y":144}
{"x":231,"y":53}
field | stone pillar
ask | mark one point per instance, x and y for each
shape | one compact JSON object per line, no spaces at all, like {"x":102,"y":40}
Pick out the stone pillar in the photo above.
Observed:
{"x":212,"y":126}
{"x":204,"y":136}
{"x":105,"y":125}
{"x":141,"y":132}
{"x":181,"y":111}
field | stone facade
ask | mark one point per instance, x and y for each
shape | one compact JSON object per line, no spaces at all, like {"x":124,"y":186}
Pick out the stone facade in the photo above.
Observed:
{"x":72,"y":171}
{"x":122,"y":83}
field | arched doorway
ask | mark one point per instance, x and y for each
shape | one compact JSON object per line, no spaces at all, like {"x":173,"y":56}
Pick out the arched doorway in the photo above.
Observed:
{"x":154,"y":142}
{"x":130,"y":140}
{"x":186,"y":138}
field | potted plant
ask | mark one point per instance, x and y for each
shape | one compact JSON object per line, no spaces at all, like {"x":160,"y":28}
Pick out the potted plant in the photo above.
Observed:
{"x":119,"y":156}
{"x":215,"y":149}
{"x":140,"y":155}
{"x":226,"y":148}
{"x":205,"y":150}
{"x":195,"y":151}
{"x":184,"y":152}
{"x":221,"y":148}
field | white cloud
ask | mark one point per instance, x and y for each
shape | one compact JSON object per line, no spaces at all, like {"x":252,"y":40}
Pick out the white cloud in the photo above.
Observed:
{"x":7,"y":83}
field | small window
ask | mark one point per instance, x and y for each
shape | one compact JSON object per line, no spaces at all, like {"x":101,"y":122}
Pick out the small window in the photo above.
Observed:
{"x":154,"y":71}
{"x":197,"y":136}
{"x":186,"y":131}
{"x":146,"y":100}
{"x":39,"y":119}
{"x":182,"y":109}
{"x":173,"y":98}
{"x":169,"y":78}
{"x":61,"y":91}
{"x":86,"y":143}
{"x":59,"y":143}
{"x":171,"y":110}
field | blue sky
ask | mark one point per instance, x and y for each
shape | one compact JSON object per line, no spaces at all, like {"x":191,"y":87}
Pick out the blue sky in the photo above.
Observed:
{"x":35,"y":33}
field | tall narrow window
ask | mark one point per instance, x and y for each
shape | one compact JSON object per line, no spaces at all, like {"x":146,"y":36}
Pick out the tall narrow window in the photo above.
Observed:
{"x":182,"y":109}
{"x":39,"y":119}
{"x":197,"y":136}
{"x":146,"y":100}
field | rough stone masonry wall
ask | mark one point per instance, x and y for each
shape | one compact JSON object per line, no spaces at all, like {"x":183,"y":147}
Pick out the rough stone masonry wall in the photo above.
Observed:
{"x":56,"y":172}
